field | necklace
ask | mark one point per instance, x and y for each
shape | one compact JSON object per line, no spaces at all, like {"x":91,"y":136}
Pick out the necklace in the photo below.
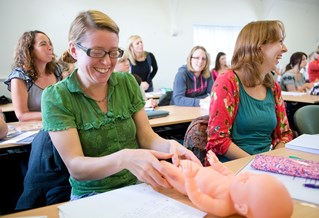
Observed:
{"x":99,"y":101}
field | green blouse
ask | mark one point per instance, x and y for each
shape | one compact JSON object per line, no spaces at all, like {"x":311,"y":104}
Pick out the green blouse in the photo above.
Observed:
{"x":65,"y":105}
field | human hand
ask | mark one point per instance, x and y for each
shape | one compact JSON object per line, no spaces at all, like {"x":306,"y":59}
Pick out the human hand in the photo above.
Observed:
{"x":145,"y":165}
{"x":180,"y":153}
{"x":2,"y":115}
{"x":145,"y":85}
{"x":151,"y":103}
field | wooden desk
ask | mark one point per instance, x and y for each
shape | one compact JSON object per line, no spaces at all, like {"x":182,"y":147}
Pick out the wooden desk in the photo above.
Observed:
{"x":177,"y":115}
{"x":297,"y":97}
{"x":300,"y":209}
{"x":7,"y":107}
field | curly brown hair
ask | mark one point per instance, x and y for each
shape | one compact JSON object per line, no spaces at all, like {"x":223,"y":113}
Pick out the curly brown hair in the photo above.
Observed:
{"x":23,"y":56}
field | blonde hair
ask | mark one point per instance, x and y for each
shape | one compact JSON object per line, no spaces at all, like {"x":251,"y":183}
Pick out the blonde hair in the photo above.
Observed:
{"x":247,"y":53}
{"x":91,"y":20}
{"x":130,"y":50}
{"x":205,"y":72}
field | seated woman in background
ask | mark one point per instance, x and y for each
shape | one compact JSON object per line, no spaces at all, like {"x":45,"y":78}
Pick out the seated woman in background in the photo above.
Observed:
{"x":143,"y":63}
{"x":247,"y":113}
{"x":34,"y":69}
{"x":193,"y":82}
{"x":292,"y":79}
{"x":123,"y":65}
{"x":3,"y":126}
{"x":313,"y":68}
{"x":220,"y":65}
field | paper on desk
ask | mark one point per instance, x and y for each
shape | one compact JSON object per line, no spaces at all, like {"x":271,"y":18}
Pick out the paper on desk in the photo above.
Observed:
{"x":19,"y":138}
{"x":132,"y":201}
{"x":293,"y":93}
{"x":294,"y":185}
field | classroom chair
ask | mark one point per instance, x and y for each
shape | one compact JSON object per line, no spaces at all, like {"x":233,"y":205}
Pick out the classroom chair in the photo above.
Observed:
{"x":306,"y":119}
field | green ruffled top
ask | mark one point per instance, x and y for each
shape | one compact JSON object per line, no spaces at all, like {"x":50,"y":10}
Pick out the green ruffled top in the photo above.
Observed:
{"x":65,"y":105}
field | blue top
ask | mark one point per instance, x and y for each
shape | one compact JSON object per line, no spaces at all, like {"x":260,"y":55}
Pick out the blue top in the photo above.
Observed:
{"x":65,"y":105}
{"x":188,"y":90}
{"x":254,"y":123}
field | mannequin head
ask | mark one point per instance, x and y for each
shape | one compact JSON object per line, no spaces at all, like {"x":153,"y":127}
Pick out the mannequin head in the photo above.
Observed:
{"x":260,"y":195}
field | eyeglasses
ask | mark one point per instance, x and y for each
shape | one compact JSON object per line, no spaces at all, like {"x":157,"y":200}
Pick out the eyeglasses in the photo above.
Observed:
{"x":198,"y":58}
{"x":100,"y":53}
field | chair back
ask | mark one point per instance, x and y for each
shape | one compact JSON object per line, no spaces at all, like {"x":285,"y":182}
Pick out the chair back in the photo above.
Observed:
{"x":306,"y":119}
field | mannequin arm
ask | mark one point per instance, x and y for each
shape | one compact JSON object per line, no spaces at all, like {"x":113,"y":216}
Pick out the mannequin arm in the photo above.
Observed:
{"x":217,"y":165}
{"x":202,"y":200}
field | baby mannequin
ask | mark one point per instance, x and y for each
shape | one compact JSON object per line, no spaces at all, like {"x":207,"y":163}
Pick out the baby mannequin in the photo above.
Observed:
{"x":220,"y":192}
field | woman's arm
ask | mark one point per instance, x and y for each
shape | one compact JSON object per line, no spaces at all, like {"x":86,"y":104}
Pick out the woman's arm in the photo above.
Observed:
{"x":19,"y":95}
{"x":3,"y":126}
{"x":222,"y":113}
{"x":282,"y":133}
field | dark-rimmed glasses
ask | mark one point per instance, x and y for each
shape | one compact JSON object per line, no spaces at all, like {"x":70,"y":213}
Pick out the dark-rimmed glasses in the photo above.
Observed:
{"x":100,"y":53}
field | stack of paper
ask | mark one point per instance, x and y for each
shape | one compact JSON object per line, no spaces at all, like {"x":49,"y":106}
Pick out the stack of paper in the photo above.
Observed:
{"x":305,"y":142}
{"x":132,"y":201}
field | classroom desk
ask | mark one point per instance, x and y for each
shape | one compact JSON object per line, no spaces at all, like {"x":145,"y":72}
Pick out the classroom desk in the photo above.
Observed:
{"x":177,"y":115}
{"x":300,"y":209}
{"x":7,"y":107}
{"x":300,"y":97}
{"x":23,"y":126}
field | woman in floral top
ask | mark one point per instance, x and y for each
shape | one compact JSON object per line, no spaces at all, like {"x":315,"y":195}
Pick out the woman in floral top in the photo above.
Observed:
{"x":247,"y":112}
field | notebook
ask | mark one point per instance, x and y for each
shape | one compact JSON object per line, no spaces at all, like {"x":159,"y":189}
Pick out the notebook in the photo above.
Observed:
{"x":151,"y":114}
{"x":305,"y":142}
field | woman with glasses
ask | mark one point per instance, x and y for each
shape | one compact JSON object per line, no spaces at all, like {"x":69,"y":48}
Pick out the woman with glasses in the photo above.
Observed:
{"x":96,"y":118}
{"x":193,"y":82}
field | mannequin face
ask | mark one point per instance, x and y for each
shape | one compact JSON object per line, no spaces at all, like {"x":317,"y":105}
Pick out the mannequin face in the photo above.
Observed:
{"x":249,"y":191}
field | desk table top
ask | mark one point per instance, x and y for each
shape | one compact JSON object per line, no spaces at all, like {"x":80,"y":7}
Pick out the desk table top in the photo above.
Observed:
{"x":301,"y":209}
{"x":300,"y":97}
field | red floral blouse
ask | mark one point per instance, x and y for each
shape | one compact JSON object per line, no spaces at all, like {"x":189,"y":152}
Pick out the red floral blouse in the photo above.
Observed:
{"x":223,"y":109}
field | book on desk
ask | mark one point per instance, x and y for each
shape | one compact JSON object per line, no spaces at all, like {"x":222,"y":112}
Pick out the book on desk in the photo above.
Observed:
{"x":305,"y":142}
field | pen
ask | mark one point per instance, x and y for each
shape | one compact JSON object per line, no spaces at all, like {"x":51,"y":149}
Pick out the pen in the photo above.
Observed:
{"x":294,"y":157}
{"x":308,"y":185}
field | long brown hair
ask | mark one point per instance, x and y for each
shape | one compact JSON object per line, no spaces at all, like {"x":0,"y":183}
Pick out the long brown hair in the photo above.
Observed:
{"x":24,"y":56}
{"x":248,"y":56}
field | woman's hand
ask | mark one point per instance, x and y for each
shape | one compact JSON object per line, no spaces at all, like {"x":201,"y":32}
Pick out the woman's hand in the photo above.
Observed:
{"x":145,"y":165}
{"x":145,"y":85}
{"x":180,"y":153}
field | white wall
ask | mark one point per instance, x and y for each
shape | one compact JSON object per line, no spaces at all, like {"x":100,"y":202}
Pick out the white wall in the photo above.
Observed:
{"x":154,"y":20}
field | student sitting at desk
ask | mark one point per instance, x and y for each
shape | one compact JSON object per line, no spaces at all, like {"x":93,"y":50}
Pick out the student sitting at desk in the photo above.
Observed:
{"x":123,"y":65}
{"x":35,"y":68}
{"x":3,"y":126}
{"x":247,"y":113}
{"x":96,"y":118}
{"x":193,"y":82}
